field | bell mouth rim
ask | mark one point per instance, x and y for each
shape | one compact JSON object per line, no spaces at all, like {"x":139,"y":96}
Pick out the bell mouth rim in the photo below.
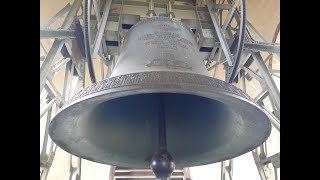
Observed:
{"x":160,"y":82}
{"x":194,"y":84}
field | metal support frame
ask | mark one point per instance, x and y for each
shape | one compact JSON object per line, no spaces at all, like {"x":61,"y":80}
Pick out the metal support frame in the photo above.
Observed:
{"x":43,"y":49}
{"x":266,"y":171}
{"x":225,"y":24}
{"x":274,"y":92}
{"x":251,"y":27}
{"x":59,"y":34}
{"x":222,"y":6}
{"x":267,"y":47}
{"x":262,"y":162}
{"x":58,"y":15}
{"x":46,"y":160}
{"x":151,"y":11}
{"x":101,"y":28}
{"x":46,"y":136}
{"x":261,"y":96}
{"x":57,"y":44}
{"x":254,"y":74}
{"x":227,"y":170}
{"x":47,"y":71}
{"x":47,"y":107}
{"x":222,"y":39}
{"x":55,"y":94}
{"x":252,"y":48}
{"x":47,"y":63}
{"x":56,"y":67}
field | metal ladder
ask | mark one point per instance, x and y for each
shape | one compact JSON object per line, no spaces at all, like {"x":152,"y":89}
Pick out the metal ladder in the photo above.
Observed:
{"x":121,"y":173}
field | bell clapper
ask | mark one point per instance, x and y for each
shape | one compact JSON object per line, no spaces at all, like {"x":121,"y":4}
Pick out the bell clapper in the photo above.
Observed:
{"x":162,"y":163}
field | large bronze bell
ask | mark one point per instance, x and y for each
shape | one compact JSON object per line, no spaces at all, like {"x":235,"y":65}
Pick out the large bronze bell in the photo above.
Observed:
{"x":116,"y":121}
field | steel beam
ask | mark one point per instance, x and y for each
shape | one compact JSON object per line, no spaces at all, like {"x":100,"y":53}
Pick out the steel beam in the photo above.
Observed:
{"x":230,"y":15}
{"x":44,"y":173}
{"x":102,"y":26}
{"x":261,"y":94}
{"x":222,"y":6}
{"x":223,"y":170}
{"x":58,"y":15}
{"x":274,"y":159}
{"x":46,"y":136}
{"x":260,"y":99}
{"x":244,"y":87}
{"x":220,"y":34}
{"x":59,"y":34}
{"x":275,"y":71}
{"x":43,"y":49}
{"x":273,"y":90}
{"x":156,"y":5}
{"x":267,"y":47}
{"x":245,"y":57}
{"x":71,"y":14}
{"x":259,"y":167}
{"x":253,"y":74}
{"x":102,"y":68}
{"x":250,"y":26}
{"x":226,"y":169}
{"x":57,"y":44}
{"x":112,"y":172}
{"x":262,"y":164}
{"x":65,"y":81}
{"x":49,"y":60}
{"x":49,"y":105}
{"x":70,"y":87}
{"x":60,"y":100}
{"x":60,"y":64}
{"x":275,"y":75}
{"x":97,"y":9}
{"x":274,"y":120}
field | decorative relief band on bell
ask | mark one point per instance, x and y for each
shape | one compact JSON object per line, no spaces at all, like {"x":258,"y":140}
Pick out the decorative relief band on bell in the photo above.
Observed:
{"x":159,"y":77}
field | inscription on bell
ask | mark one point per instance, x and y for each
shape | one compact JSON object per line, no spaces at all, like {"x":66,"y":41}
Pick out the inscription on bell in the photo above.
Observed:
{"x":170,"y":64}
{"x":169,"y":61}
{"x":167,"y":27}
{"x":166,"y":40}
